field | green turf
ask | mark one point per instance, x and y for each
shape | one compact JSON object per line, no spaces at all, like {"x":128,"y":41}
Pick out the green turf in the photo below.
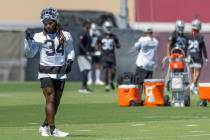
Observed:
{"x":96,"y":116}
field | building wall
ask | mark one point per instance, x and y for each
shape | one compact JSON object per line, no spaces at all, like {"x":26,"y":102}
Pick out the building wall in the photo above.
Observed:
{"x":29,"y":10}
{"x":171,"y":10}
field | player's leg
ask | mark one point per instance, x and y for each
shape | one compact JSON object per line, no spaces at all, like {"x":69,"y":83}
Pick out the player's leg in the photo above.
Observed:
{"x":90,"y":74}
{"x":98,"y":71}
{"x":106,"y":79}
{"x":106,"y":75}
{"x":112,"y":76}
{"x":85,"y":66}
{"x":196,"y":71}
{"x":140,"y":75}
{"x":59,"y":87}
{"x":90,"y":79}
{"x":196,"y":75}
{"x":49,"y":94}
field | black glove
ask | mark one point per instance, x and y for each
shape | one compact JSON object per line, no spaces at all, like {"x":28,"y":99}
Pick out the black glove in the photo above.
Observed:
{"x":68,"y":66}
{"x":29,"y":34}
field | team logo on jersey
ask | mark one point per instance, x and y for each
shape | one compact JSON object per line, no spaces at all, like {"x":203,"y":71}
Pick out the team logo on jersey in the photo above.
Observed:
{"x":180,"y":42}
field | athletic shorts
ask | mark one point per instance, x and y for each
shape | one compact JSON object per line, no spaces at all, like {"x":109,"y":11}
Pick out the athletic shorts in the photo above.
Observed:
{"x":196,"y":62}
{"x":108,"y":62}
{"x":96,"y":59}
{"x":84,"y":62}
{"x":57,"y":84}
{"x":142,"y":74}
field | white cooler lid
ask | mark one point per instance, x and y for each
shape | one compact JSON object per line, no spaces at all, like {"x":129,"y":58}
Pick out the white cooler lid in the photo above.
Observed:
{"x":154,"y":80}
{"x":204,"y":84}
{"x":128,"y":86}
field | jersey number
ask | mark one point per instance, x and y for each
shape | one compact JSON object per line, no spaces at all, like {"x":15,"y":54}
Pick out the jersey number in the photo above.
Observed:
{"x":194,"y":46}
{"x":52,"y":51}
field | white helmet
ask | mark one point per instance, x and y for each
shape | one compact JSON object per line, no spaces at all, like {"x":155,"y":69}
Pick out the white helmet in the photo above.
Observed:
{"x":179,"y":27}
{"x":196,"y":24}
{"x":107,"y":27}
{"x":49,"y":14}
{"x":93,"y":29}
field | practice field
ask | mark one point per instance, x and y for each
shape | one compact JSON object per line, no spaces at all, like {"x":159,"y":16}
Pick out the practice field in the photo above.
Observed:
{"x":96,"y":116}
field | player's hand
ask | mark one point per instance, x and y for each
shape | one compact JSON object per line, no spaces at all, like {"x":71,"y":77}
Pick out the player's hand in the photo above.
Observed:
{"x":68,"y":66}
{"x":29,"y":34}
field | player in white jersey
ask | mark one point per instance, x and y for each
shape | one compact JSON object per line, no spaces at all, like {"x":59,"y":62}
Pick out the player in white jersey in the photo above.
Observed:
{"x":147,"y":54}
{"x":56,"y":57}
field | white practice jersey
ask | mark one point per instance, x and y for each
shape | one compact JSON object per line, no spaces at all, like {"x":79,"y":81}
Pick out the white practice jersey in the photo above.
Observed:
{"x":53,"y":56}
{"x":147,"y":55}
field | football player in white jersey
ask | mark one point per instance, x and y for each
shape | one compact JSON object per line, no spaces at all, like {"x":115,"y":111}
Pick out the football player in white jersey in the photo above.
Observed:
{"x":56,"y":57}
{"x":146,"y":46}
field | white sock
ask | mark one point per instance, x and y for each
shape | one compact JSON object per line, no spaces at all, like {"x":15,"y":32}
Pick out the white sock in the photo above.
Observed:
{"x":98,"y":74}
{"x":90,"y":76}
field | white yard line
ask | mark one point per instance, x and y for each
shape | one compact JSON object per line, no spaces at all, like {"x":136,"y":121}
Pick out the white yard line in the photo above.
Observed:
{"x":28,"y":129}
{"x":154,"y":137}
{"x":84,"y":130}
{"x":32,"y":123}
{"x":151,"y":117}
{"x":138,"y":124}
{"x":192,"y":125}
{"x":5,"y":95}
{"x":198,"y":131}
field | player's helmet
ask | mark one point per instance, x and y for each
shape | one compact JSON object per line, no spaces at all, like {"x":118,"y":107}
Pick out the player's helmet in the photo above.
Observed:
{"x":107,"y":27}
{"x":93,"y":27}
{"x":49,"y":14}
{"x":196,"y":24}
{"x":179,"y":27}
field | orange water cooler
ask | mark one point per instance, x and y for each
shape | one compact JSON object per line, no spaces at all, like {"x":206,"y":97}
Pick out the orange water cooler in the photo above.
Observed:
{"x":154,"y":92}
{"x":204,"y":91}
{"x":128,"y":95}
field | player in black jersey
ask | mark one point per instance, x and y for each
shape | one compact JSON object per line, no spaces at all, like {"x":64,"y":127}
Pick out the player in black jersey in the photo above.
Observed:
{"x":108,"y":42}
{"x":197,"y":52}
{"x":84,"y":58}
{"x":177,"y":39}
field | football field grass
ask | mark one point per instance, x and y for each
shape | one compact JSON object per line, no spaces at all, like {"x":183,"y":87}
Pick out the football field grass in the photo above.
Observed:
{"x":96,"y":116}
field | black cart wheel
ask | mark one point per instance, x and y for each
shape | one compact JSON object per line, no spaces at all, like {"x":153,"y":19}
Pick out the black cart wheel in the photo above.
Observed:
{"x":133,"y":103}
{"x":167,"y":100}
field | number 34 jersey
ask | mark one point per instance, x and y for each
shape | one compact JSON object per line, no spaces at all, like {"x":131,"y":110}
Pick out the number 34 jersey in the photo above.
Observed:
{"x":52,"y":55}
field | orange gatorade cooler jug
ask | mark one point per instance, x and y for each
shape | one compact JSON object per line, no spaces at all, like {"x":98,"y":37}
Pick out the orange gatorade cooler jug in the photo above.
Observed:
{"x":204,"y":91}
{"x":128,"y":95}
{"x":153,"y":91}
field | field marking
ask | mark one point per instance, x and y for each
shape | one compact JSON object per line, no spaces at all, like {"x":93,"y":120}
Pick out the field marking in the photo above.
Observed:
{"x":138,"y":124}
{"x":198,"y":131}
{"x":192,"y":125}
{"x":84,"y":130}
{"x":32,"y":123}
{"x":151,"y":117}
{"x":152,"y":137}
{"x":28,"y":129}
{"x":5,"y":95}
